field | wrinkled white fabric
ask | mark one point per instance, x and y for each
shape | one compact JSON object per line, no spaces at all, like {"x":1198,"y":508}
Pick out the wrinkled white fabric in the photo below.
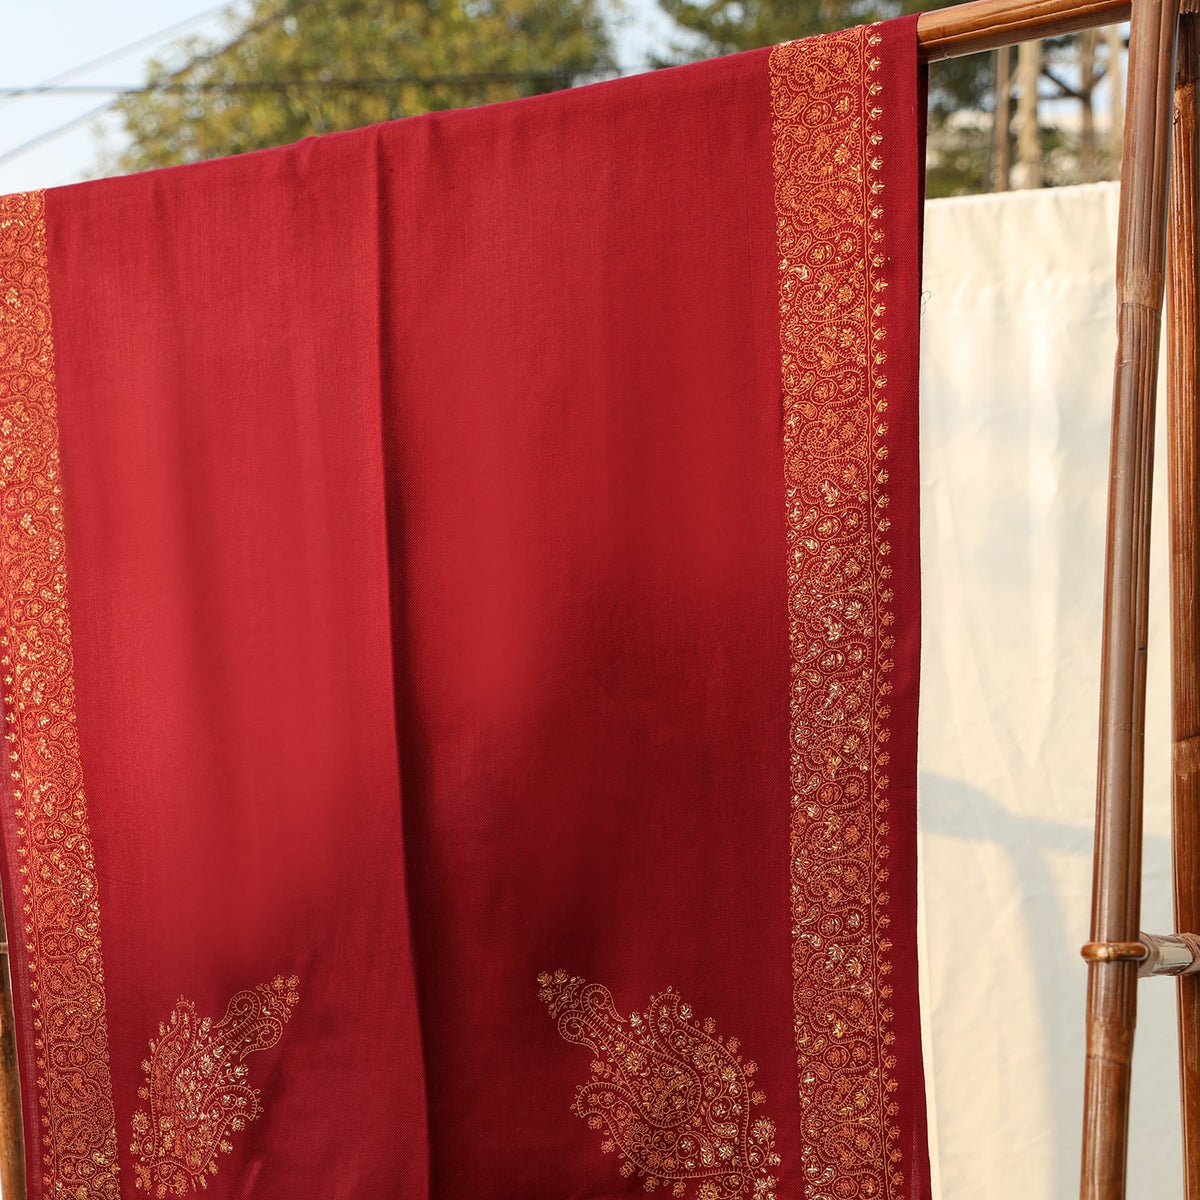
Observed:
{"x":1017,"y":362}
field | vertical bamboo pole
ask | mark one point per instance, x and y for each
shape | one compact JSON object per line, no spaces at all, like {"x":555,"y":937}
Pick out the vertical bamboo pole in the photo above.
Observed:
{"x":12,"y":1151}
{"x":1183,"y":423}
{"x":1116,"y":893}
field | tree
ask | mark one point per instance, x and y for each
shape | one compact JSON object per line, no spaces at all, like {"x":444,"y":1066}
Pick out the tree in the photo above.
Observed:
{"x":1072,"y":68}
{"x":959,"y":150}
{"x":293,"y":69}
{"x":1029,"y":131}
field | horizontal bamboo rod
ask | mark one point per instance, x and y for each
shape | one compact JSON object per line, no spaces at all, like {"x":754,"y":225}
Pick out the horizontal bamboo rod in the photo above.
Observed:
{"x":989,"y":24}
{"x":1156,"y":954}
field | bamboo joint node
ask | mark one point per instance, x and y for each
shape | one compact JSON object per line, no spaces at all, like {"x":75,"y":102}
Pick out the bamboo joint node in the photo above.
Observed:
{"x":1155,"y":954}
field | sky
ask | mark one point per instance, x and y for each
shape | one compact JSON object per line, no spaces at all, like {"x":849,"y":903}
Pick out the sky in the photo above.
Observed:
{"x":45,"y":38}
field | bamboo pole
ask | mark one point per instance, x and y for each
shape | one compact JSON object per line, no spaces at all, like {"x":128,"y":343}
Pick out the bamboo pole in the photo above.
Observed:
{"x":1116,"y":895}
{"x":12,"y":1150}
{"x":986,"y":24}
{"x":1183,"y":424}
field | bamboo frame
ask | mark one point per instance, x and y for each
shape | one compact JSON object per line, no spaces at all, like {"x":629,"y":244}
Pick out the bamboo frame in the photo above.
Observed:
{"x":1117,"y":946}
{"x":1183,"y":423}
{"x":989,"y":24}
{"x":12,"y":1149}
{"x":1116,"y":894}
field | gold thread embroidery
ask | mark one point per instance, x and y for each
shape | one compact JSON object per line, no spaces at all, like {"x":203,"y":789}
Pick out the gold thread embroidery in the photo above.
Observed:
{"x":824,"y":94}
{"x":60,"y":911}
{"x":673,"y":1098}
{"x":196,"y":1086}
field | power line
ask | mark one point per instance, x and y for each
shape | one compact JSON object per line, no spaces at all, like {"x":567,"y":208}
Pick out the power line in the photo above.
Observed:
{"x":281,"y":85}
{"x":111,"y":56}
{"x":65,"y":127}
{"x":173,"y":81}
{"x":279,"y":14}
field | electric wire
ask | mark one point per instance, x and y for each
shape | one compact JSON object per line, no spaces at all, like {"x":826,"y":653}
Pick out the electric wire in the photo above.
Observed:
{"x":279,"y":14}
{"x":111,"y":56}
{"x":280,"y":85}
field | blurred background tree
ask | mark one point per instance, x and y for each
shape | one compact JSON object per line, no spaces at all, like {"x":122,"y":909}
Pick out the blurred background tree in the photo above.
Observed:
{"x":297,"y":67}
{"x":972,"y":101}
{"x":294,"y":69}
{"x":956,"y":86}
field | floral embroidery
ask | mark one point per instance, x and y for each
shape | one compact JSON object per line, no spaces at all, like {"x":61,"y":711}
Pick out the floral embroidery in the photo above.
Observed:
{"x":197,"y":1089}
{"x":668,"y":1093}
{"x":825,"y":102}
{"x":60,"y":907}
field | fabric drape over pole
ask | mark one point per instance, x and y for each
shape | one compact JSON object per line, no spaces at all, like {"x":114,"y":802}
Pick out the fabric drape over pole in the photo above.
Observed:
{"x":460,"y":581}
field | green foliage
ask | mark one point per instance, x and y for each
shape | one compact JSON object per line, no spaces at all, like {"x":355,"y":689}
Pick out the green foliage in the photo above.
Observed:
{"x":959,"y":159}
{"x":727,"y":26}
{"x":710,"y":27}
{"x":207,"y":110}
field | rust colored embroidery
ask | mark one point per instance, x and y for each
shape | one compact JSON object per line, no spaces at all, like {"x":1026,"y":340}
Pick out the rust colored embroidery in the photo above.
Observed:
{"x":196,"y":1086}
{"x":60,"y":910}
{"x":825,"y":97}
{"x":670,"y":1095}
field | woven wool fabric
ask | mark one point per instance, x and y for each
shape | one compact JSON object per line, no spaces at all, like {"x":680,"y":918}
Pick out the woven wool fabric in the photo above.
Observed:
{"x":459,"y":612}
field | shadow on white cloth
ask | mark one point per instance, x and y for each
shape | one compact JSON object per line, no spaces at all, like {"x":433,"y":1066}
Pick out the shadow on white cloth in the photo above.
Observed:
{"x":1017,"y":356}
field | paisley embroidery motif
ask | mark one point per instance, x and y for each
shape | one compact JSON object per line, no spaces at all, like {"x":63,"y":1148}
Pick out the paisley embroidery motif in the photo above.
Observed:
{"x":670,"y":1095}
{"x":829,"y":210}
{"x":60,"y":906}
{"x":197,"y":1089}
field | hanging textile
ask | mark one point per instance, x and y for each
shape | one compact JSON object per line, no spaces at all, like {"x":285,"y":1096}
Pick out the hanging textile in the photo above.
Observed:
{"x":460,"y":624}
{"x":1018,"y":342}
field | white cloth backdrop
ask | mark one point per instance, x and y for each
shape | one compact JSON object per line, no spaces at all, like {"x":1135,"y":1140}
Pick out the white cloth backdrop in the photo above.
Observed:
{"x":1017,"y":364}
